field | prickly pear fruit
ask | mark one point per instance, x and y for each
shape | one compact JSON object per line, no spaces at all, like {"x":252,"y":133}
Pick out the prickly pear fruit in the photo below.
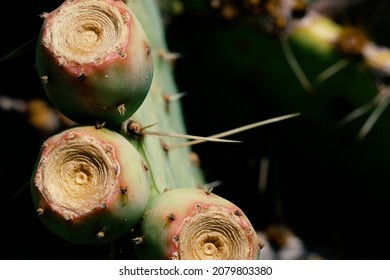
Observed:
{"x":89,"y":185}
{"x":190,"y":223}
{"x":94,"y":60}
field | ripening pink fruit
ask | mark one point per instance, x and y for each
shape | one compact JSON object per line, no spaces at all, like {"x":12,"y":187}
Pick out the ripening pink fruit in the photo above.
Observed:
{"x":194,"y":224}
{"x":94,"y":61}
{"x":90,"y":185}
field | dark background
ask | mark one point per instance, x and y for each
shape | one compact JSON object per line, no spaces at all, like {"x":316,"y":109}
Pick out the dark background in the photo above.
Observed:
{"x":331,"y":189}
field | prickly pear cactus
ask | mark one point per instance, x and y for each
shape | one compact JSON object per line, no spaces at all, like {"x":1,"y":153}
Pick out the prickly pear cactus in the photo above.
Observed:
{"x":94,"y":182}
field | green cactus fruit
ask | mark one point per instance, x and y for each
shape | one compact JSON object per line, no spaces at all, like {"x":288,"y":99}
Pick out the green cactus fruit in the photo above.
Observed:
{"x":94,"y":60}
{"x":89,"y":185}
{"x":187,"y":223}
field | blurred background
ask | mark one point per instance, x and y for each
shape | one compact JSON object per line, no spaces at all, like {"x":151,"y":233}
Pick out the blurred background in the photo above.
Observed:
{"x":312,"y":178}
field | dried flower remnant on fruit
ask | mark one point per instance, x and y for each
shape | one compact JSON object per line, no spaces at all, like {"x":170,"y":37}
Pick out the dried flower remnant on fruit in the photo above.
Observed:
{"x":211,"y":241}
{"x":69,"y":185}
